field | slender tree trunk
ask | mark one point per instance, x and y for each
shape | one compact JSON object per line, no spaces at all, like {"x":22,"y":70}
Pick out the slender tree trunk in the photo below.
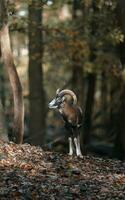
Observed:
{"x":18,"y":125}
{"x":89,"y":107}
{"x":78,"y":83}
{"x":3,"y":128}
{"x":104,"y":97}
{"x":120,"y":14}
{"x":77,"y":67}
{"x":37,"y":94}
{"x":115,"y":85}
{"x":91,"y":77}
{"x":2,"y":85}
{"x":119,"y":147}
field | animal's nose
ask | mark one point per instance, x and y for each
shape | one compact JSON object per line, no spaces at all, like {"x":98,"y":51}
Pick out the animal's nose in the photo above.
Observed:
{"x":52,"y":104}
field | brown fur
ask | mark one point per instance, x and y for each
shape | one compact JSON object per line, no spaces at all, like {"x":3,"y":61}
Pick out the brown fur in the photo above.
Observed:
{"x":71,"y":114}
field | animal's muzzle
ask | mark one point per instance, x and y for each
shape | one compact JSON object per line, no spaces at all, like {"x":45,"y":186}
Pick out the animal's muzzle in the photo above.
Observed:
{"x":52,"y":104}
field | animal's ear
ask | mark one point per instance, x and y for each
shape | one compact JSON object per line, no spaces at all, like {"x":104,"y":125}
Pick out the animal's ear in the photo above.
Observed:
{"x":57,"y":91}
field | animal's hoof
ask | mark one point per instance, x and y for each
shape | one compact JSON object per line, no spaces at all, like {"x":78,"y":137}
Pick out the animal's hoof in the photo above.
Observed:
{"x":80,"y":156}
{"x":70,"y":154}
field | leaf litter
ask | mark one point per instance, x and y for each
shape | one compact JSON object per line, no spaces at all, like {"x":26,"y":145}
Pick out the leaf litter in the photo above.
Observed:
{"x":29,"y":173}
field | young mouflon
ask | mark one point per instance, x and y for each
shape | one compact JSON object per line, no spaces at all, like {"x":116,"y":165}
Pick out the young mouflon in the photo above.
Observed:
{"x":66,"y":103}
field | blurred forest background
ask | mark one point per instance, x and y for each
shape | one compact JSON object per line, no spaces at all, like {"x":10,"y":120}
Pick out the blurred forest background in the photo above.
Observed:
{"x":75,"y":44}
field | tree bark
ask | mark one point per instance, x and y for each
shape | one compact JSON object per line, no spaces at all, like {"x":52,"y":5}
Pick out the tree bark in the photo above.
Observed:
{"x":37,"y":94}
{"x":89,"y":107}
{"x":120,"y":14}
{"x":2,"y":85}
{"x":77,"y":80}
{"x":91,"y":77}
{"x":119,"y":146}
{"x":104,"y":97}
{"x":3,"y":128}
{"x":18,"y":124}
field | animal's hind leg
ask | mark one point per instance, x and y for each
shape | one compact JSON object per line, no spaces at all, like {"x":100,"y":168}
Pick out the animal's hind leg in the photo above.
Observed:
{"x":79,"y":147}
{"x":69,"y":131}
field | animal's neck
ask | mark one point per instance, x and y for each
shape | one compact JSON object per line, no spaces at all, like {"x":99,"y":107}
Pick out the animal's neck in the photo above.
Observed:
{"x":64,"y":107}
{"x":61,"y":108}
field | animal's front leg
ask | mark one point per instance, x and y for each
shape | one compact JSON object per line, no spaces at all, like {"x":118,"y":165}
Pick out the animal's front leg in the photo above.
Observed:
{"x":77,"y":145}
{"x":70,"y":146}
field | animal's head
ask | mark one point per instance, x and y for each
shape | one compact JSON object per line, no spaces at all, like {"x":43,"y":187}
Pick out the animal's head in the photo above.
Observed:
{"x":61,"y":97}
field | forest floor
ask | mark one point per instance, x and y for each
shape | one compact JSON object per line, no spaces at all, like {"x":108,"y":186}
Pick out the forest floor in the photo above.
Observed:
{"x":28,"y":172}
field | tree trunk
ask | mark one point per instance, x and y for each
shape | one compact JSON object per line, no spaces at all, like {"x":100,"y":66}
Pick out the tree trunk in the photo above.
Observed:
{"x":104,"y":97}
{"x":120,"y":14}
{"x":18,"y":125}
{"x":77,"y":80}
{"x":89,"y":107}
{"x":119,"y":147}
{"x":3,"y":128}
{"x":91,"y":77}
{"x":2,"y":85}
{"x":37,"y":94}
{"x":78,"y":83}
